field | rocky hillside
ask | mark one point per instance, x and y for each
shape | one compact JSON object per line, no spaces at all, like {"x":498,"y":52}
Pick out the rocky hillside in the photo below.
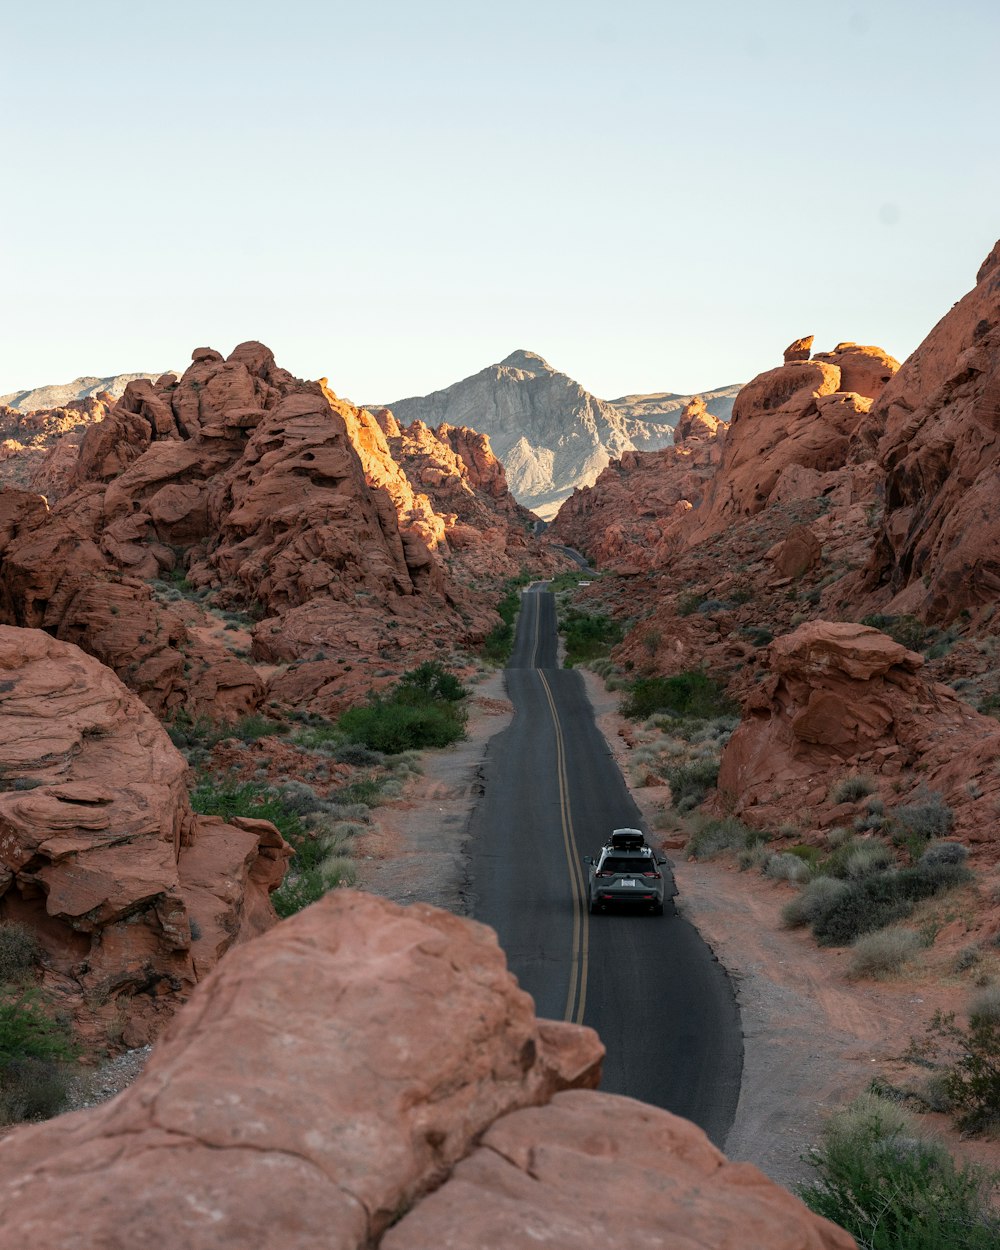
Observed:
{"x":550,"y":433}
{"x":267,"y":496}
{"x":348,"y":1114}
{"x":847,"y":489}
{"x":39,"y":448}
{"x":67,"y":393}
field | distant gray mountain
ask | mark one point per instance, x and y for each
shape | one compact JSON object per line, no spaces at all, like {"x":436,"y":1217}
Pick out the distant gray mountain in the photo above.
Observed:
{"x":80,"y":388}
{"x":664,"y":407}
{"x":550,"y":433}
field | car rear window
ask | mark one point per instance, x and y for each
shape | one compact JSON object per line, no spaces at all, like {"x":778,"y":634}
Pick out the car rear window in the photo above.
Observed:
{"x":616,"y":863}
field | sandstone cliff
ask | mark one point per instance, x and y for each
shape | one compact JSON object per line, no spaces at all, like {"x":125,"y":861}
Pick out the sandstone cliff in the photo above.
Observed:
{"x":549,"y":432}
{"x":378,"y":1078}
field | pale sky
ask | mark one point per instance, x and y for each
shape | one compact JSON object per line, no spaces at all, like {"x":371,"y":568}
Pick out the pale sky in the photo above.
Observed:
{"x":394,"y":195}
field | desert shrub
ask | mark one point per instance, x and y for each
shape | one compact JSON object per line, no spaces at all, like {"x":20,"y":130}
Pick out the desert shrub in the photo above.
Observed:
{"x":727,"y":834}
{"x":34,"y":1048}
{"x":986,"y":1006}
{"x":690,"y":783}
{"x":809,"y":854}
{"x":892,"y":1190}
{"x":818,"y":895}
{"x":944,"y":853}
{"x":247,"y":798}
{"x":884,"y":953}
{"x":690,"y":694}
{"x":689,"y":603}
{"x":19,"y":952}
{"x":970,"y":1058}
{"x":754,"y":856}
{"x":867,"y":858}
{"x":356,"y":754}
{"x":967,"y":958}
{"x":32,"y":1089}
{"x":786,"y":867}
{"x":930,"y":818}
{"x":908,"y":631}
{"x":499,"y":641}
{"x":852,"y":788}
{"x":880,"y":899}
{"x":588,"y":636}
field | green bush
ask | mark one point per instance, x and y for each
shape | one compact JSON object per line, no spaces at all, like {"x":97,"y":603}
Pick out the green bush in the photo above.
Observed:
{"x":971,"y":1055}
{"x":588,"y":637}
{"x":892,"y":1190}
{"x":422,"y":710}
{"x":389,"y":726}
{"x":690,"y":783}
{"x":880,"y":899}
{"x":19,"y":952}
{"x":816,"y":897}
{"x":34,"y":1048}
{"x":692,"y":694}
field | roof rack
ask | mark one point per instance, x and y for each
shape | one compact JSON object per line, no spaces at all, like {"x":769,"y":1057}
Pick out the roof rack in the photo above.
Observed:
{"x":627,"y":840}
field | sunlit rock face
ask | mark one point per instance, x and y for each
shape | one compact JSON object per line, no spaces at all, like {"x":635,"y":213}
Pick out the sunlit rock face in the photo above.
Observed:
{"x":937,"y":425}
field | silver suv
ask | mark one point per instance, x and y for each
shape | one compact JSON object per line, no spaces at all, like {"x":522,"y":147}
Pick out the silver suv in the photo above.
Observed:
{"x":626,"y":871}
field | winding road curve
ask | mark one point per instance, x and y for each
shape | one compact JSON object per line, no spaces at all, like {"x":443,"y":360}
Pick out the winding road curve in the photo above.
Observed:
{"x":649,"y":985}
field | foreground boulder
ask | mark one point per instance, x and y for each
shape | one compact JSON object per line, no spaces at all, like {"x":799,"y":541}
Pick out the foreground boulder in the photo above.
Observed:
{"x":132,"y":896}
{"x":327,"y":1077}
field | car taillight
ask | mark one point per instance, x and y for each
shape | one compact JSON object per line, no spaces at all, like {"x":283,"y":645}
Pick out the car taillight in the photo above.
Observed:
{"x":604,"y":874}
{"x":652,"y":874}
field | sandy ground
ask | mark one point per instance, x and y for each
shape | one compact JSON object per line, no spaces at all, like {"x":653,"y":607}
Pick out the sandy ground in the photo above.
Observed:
{"x":813,"y":1039}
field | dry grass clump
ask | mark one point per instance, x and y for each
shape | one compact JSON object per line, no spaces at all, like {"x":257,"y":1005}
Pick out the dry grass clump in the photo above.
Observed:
{"x":883,"y":953}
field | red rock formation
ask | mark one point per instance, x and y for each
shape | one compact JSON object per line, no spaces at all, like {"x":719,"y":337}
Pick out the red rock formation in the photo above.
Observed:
{"x":799,"y":349}
{"x":938,"y":551}
{"x":271,"y":495}
{"x":792,"y":428}
{"x":128,"y":891}
{"x":842,"y":698}
{"x":631,"y":517}
{"x":309,"y":1089}
{"x":39,"y":449}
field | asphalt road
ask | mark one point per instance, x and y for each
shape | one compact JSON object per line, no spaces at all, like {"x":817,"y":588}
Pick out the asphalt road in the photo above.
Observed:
{"x":649,"y":985}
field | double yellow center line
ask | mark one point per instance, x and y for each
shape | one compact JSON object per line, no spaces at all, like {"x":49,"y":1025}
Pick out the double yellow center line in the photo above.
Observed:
{"x":576,"y":994}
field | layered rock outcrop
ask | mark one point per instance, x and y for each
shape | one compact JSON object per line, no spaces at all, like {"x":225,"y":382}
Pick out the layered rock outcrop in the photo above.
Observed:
{"x":938,"y":424}
{"x":133,"y":897}
{"x":630,"y":519}
{"x":361,"y":1057}
{"x":550,"y":433}
{"x":840,"y":698}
